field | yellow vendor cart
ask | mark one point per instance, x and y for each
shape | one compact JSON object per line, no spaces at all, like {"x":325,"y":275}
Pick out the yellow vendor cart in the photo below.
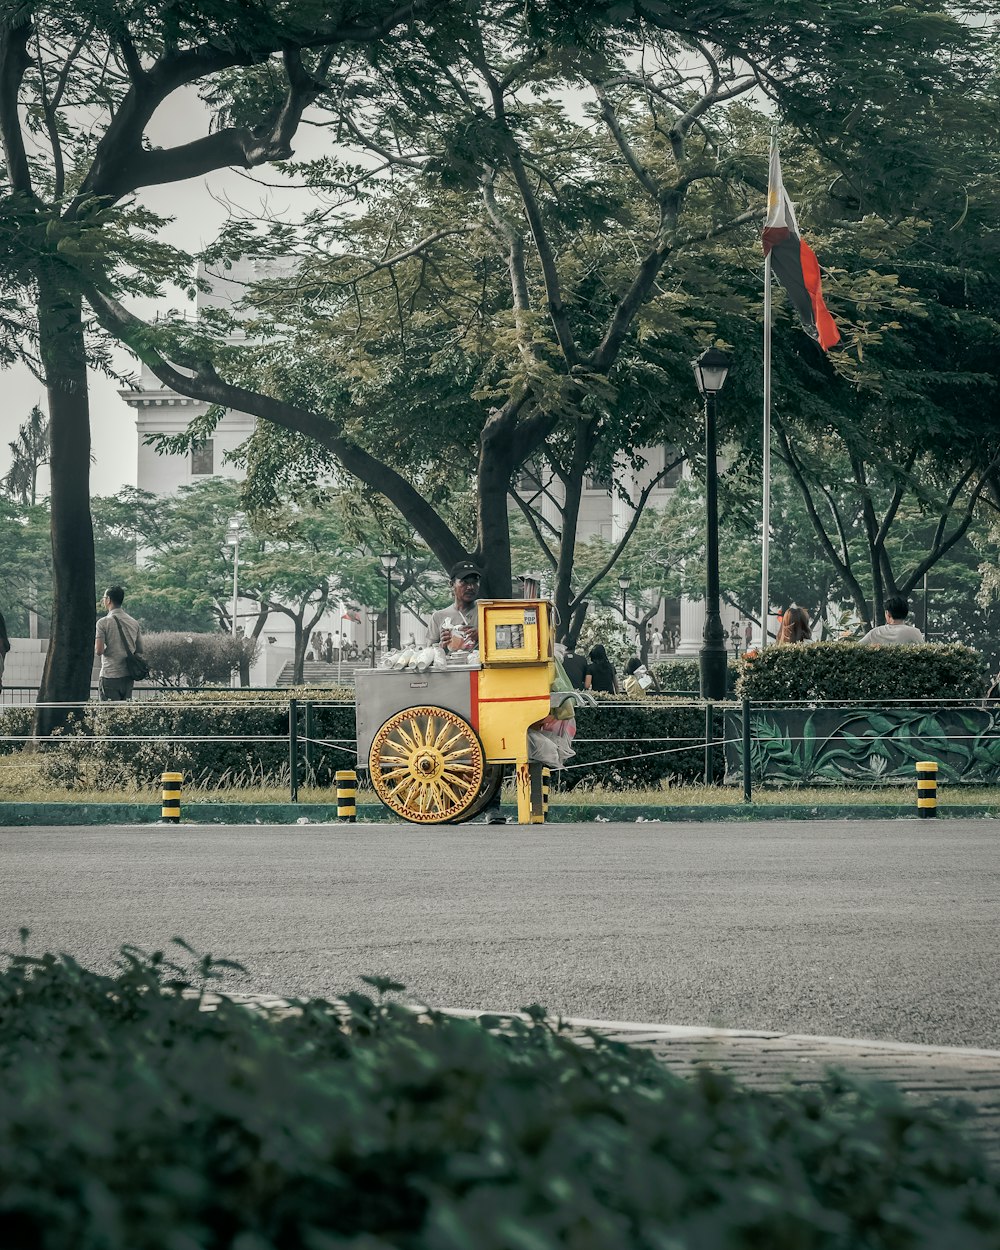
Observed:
{"x":436,"y":742}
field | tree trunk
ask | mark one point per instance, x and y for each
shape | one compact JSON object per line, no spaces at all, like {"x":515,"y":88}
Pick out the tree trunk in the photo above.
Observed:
{"x":299,"y":663}
{"x":70,"y":657}
{"x":493,"y":521}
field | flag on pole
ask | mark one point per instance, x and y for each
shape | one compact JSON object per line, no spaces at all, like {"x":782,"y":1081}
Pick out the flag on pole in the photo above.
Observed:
{"x":793,"y":261}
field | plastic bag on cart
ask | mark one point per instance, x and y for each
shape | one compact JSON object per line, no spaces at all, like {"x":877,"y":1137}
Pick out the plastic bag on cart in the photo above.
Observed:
{"x":550,"y":742}
{"x":542,"y":749}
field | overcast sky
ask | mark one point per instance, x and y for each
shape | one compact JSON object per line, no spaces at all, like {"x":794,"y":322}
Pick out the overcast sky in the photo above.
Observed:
{"x":197,"y":217}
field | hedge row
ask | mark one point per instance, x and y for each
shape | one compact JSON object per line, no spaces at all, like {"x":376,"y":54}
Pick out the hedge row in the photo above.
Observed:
{"x":241,"y":738}
{"x":132,"y":1120}
{"x":234,"y":738}
{"x":229,"y":738}
{"x":848,"y":671}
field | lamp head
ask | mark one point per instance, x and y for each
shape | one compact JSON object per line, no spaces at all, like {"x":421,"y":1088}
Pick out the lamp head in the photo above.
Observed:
{"x":389,"y":559}
{"x":711,"y":369}
{"x":624,"y":582}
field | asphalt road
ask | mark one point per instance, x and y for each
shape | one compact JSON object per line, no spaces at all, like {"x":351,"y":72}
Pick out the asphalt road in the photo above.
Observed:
{"x":886,"y":929}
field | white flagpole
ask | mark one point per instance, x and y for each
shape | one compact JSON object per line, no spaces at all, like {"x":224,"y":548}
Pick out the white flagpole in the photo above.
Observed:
{"x":765,"y":524}
{"x":765,"y":536}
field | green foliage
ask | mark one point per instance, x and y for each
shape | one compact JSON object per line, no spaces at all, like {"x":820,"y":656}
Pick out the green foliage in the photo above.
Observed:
{"x":15,"y":728}
{"x":195,"y":660}
{"x":678,"y":676}
{"x":133,"y":1119}
{"x":846,"y":671}
{"x":645,"y":743}
{"x":224,"y":738}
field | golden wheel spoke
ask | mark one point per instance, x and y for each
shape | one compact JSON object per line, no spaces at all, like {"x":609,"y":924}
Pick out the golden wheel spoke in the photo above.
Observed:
{"x":427,"y":764}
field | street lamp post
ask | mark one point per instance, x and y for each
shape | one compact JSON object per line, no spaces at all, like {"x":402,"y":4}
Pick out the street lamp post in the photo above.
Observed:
{"x":623,"y":585}
{"x":388,"y":559}
{"x":710,"y":370}
{"x":233,"y":540}
{"x":373,"y":618}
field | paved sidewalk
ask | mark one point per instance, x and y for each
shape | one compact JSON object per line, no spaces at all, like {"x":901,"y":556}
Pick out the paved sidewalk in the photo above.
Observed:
{"x":773,"y":1061}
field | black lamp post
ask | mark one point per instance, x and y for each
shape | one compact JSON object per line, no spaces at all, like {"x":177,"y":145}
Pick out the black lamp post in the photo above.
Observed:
{"x":623,"y":585}
{"x":710,"y":370}
{"x":373,"y":617}
{"x":389,"y":559}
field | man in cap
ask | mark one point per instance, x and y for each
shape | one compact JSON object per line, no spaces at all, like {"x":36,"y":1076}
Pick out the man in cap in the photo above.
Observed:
{"x":456,"y":627}
{"x":461,"y":614}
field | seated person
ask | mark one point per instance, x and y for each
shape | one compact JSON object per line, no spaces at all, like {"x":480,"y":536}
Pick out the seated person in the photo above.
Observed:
{"x":638,"y":680}
{"x":895,"y":632}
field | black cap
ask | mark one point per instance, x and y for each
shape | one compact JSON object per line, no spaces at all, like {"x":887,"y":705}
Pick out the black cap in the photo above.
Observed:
{"x":463,"y":569}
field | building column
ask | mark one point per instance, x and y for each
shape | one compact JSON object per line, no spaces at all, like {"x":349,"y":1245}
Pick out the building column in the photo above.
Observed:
{"x":692,"y":626}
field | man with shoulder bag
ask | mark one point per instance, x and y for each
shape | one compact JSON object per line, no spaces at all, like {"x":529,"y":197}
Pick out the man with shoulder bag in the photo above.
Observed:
{"x":119,"y":644}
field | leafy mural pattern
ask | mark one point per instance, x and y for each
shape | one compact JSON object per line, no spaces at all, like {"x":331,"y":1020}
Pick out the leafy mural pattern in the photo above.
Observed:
{"x":859,"y":745}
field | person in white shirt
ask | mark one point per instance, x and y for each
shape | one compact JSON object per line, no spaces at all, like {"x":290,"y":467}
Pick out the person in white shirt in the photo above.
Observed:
{"x":115,"y":683}
{"x":456,"y":627}
{"x":895,"y":632}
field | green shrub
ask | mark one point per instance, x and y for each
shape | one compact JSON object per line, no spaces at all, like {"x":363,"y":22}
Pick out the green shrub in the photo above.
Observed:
{"x":182,"y":660}
{"x":847,"y":671}
{"x":684,"y":676}
{"x":223,"y":738}
{"x":644,"y":743}
{"x":132,"y":1120}
{"x":15,"y":727}
{"x":681,"y":676}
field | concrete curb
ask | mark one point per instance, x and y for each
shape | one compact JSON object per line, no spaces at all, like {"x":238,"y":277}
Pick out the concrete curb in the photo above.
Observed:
{"x":14,"y":814}
{"x":629,"y":1029}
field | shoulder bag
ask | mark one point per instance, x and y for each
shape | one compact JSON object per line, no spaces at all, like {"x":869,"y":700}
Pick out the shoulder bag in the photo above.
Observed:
{"x":135,"y":665}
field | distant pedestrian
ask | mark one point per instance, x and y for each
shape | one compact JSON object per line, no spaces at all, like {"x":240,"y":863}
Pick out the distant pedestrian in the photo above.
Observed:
{"x":4,"y":646}
{"x":895,"y":632}
{"x":656,"y":643}
{"x":795,"y":625}
{"x":117,"y":635}
{"x":600,"y":674}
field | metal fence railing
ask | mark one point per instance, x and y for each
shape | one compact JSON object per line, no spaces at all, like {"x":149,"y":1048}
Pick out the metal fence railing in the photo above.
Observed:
{"x":745,"y":744}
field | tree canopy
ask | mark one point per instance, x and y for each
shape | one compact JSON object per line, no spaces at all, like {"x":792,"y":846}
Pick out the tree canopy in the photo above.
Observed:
{"x":79,"y":85}
{"x":529,"y":225}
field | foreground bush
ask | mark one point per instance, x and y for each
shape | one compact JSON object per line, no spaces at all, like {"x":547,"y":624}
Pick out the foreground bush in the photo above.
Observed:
{"x":132,"y":1120}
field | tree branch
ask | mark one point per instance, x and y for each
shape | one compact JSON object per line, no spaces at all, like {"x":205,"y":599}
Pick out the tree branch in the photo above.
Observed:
{"x":205,"y":384}
{"x":14,"y":60}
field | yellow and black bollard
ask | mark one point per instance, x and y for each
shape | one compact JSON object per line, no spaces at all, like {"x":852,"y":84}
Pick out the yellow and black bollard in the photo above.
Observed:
{"x":926,"y":788}
{"x":347,"y":794}
{"x":171,"y":809}
{"x":546,"y":787}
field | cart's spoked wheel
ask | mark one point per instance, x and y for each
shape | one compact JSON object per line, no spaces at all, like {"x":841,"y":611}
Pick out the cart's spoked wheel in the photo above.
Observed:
{"x":426,"y":765}
{"x":490,"y":788}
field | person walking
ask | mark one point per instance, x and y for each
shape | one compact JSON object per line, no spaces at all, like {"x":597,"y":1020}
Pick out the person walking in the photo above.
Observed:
{"x":600,"y":673}
{"x":114,"y":631}
{"x":895,"y":632}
